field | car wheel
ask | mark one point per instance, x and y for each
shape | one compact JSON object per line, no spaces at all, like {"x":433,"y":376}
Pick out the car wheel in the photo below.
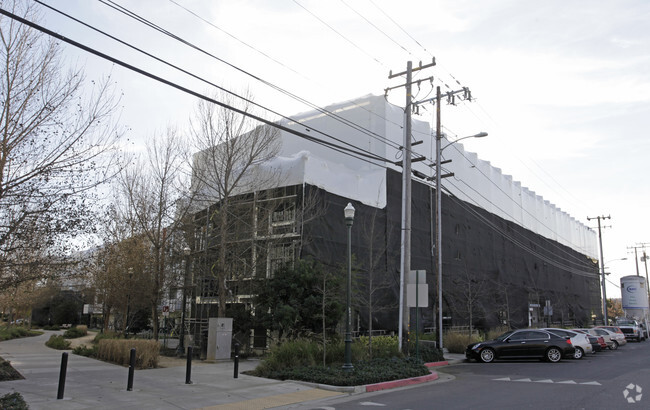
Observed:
{"x":614,"y":345}
{"x":638,"y":339}
{"x":578,"y":353}
{"x":553,"y":355}
{"x":487,"y":355}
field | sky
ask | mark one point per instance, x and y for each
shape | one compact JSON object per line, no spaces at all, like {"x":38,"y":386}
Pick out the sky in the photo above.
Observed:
{"x":562,"y":87}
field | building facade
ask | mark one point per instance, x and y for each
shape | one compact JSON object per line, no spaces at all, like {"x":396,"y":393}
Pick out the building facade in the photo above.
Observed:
{"x":506,"y":251}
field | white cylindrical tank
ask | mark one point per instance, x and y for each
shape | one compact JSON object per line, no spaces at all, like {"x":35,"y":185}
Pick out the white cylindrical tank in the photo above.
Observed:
{"x":633,"y":292}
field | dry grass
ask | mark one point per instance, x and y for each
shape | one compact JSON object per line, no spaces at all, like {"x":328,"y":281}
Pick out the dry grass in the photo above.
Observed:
{"x":119,"y":351}
{"x":457,"y":342}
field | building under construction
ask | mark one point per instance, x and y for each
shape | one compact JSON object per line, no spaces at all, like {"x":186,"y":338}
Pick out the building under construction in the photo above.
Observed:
{"x":506,"y":252}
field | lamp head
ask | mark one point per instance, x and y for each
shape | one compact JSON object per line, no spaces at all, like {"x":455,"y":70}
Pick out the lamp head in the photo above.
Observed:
{"x":187,"y":251}
{"x":349,"y":212}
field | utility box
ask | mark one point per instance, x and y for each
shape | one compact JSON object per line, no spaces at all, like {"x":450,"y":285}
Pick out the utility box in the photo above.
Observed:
{"x":219,"y":338}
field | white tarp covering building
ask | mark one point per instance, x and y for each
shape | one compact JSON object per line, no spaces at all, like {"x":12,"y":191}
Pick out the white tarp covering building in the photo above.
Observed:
{"x":377,"y":128}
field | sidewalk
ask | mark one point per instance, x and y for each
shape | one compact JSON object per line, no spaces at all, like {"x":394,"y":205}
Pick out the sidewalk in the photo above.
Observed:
{"x":98,"y":385}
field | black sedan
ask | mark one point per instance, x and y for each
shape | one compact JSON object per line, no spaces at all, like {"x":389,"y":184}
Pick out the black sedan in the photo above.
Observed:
{"x":522,"y":344}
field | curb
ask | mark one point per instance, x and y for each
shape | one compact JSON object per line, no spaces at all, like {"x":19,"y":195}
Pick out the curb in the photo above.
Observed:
{"x":437,"y":364}
{"x":384,"y":385}
{"x":400,"y":383}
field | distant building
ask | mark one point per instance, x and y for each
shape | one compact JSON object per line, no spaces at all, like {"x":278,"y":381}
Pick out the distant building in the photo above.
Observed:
{"x":506,"y":251}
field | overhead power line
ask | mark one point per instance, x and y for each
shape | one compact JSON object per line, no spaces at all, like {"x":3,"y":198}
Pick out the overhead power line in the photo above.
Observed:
{"x":360,"y":151}
{"x":338,"y":33}
{"x":375,"y":26}
{"x":169,"y":83}
{"x":142,"y":20}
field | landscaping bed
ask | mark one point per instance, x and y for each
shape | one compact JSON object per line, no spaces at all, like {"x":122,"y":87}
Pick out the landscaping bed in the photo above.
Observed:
{"x":364,"y":372}
{"x":305,"y":360}
{"x":7,"y":372}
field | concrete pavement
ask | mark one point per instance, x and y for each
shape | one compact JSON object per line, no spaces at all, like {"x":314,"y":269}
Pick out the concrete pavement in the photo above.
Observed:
{"x":93,"y":384}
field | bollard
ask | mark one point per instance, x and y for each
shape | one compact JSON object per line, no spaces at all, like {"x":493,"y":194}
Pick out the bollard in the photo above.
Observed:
{"x":64,"y":369}
{"x":188,"y":366}
{"x":236,"y":369}
{"x":129,"y":383}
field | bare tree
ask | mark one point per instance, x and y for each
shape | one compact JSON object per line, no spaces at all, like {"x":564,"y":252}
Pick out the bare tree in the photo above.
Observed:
{"x":372,"y":281}
{"x":472,"y":290}
{"x":54,"y":147}
{"x":331,"y":295}
{"x":232,"y":150}
{"x":156,"y":204}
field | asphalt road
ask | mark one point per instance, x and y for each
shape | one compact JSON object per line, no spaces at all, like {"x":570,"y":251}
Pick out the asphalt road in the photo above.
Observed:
{"x":595,"y":382}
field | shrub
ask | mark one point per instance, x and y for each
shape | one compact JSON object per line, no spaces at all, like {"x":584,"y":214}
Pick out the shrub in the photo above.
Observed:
{"x":119,"y":351}
{"x":365,"y":372}
{"x":51,"y":327}
{"x":107,"y":335}
{"x":58,"y":342}
{"x":76,"y":332}
{"x":428,"y":352}
{"x":294,"y":353}
{"x":457,"y":342}
{"x":335,"y":352}
{"x":7,"y":372}
{"x":13,"y":332}
{"x":13,"y":401}
{"x":382,"y":347}
{"x":494,"y":333}
{"x":85,"y":351}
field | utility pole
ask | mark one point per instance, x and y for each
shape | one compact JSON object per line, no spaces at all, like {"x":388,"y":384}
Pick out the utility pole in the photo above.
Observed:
{"x":406,"y":190}
{"x":602,"y":264}
{"x":438,"y":249}
{"x":405,"y":254}
{"x":644,"y":258}
{"x":636,"y":255}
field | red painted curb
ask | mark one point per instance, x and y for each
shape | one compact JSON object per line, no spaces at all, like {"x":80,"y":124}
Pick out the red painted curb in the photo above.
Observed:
{"x":436,"y":364}
{"x":403,"y":382}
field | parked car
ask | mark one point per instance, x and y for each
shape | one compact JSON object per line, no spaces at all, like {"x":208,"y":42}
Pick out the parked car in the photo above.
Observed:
{"x":620,"y":335}
{"x":597,"y":342}
{"x":522,"y":344}
{"x":610,"y":338}
{"x":580,"y":341}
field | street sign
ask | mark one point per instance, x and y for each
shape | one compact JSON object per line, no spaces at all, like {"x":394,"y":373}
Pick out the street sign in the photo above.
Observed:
{"x":422,"y":297}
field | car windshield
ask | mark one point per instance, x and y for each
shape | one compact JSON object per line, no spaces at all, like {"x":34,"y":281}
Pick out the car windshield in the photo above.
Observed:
{"x":503,"y":336}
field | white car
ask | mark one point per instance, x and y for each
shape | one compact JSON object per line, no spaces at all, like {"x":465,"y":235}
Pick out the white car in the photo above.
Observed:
{"x":618,"y":333}
{"x":616,"y":338}
{"x":579,"y":340}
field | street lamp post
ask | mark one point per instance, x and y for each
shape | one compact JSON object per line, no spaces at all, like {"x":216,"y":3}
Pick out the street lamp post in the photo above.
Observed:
{"x":128,"y":306}
{"x":349,"y":219}
{"x":439,"y":150}
{"x":181,"y":343}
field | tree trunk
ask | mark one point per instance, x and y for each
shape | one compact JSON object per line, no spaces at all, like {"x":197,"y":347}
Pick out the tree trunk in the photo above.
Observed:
{"x":221,"y":272}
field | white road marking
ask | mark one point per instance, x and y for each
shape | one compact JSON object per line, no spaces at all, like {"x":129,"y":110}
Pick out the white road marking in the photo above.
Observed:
{"x":548,"y":381}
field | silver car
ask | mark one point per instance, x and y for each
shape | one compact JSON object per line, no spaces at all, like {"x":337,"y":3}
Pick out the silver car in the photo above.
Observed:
{"x":579,"y":340}
{"x":616,"y":338}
